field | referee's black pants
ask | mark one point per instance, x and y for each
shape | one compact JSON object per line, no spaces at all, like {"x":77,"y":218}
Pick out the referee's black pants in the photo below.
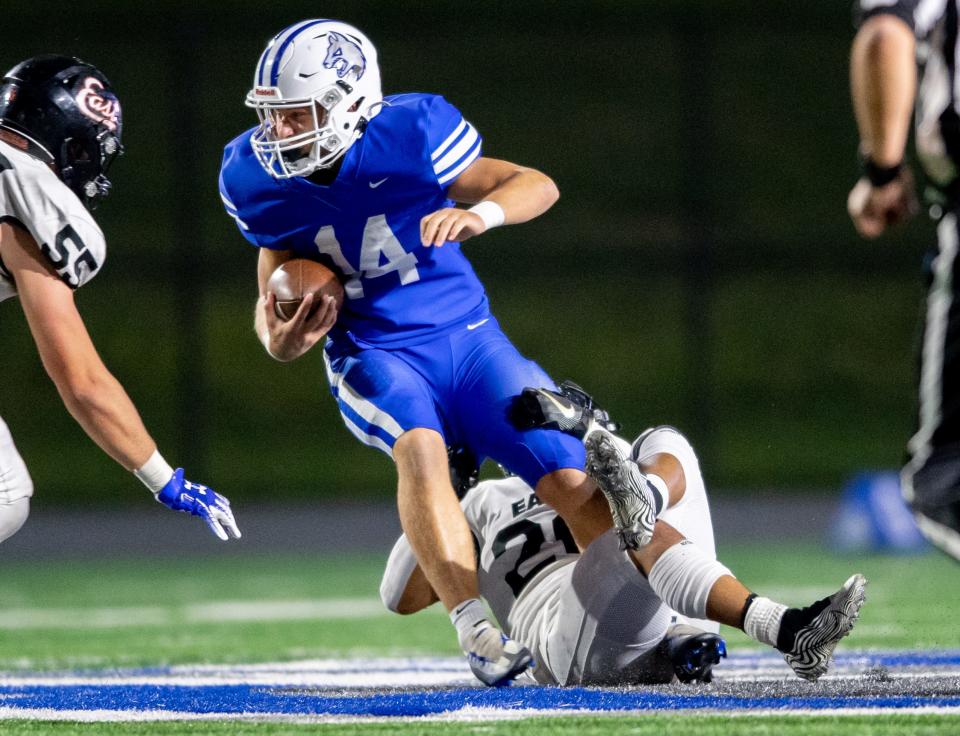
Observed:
{"x":931,"y":475}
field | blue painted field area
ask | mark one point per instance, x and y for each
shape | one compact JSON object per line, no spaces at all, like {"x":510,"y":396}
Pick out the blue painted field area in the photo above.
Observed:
{"x":246,"y":699}
{"x":433,"y":687}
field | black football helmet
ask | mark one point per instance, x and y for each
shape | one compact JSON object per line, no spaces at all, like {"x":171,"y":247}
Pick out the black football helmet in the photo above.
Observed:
{"x":69,"y":115}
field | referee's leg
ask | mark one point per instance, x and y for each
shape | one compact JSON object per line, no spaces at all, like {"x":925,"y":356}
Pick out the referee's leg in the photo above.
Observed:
{"x":931,"y":476}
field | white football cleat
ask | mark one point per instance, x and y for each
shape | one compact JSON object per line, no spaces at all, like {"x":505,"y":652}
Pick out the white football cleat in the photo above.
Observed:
{"x":819,"y":627}
{"x":495,"y":658}
{"x":627,"y":489}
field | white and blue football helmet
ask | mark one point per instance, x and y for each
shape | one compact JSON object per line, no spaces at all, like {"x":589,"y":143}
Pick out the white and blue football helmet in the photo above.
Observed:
{"x":328,"y":66}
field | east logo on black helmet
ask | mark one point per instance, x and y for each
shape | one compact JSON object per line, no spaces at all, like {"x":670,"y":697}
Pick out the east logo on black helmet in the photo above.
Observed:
{"x":70,"y":117}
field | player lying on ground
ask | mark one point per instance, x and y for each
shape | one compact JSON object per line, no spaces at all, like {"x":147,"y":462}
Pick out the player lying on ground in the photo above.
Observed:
{"x":60,"y":128}
{"x":604,"y":617}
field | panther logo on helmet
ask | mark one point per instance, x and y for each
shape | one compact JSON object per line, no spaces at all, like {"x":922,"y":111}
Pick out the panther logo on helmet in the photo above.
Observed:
{"x":97,"y":104}
{"x":344,"y":55}
{"x":327,"y":68}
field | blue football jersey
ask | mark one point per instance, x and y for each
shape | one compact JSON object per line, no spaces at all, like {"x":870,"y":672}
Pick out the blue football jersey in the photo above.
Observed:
{"x":366,"y":224}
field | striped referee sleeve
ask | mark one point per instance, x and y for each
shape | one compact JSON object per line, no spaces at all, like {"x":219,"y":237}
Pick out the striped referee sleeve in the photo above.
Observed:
{"x":920,"y":15}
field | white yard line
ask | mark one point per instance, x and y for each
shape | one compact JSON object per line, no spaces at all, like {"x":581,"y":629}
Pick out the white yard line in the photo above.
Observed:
{"x":391,"y":672}
{"x":365,"y":679}
{"x":316,"y":673}
{"x":468,"y":714}
{"x":82,"y":618}
{"x":220,"y":611}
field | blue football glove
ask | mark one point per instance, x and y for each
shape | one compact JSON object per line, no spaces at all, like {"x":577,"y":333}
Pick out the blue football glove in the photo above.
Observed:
{"x":196,"y":499}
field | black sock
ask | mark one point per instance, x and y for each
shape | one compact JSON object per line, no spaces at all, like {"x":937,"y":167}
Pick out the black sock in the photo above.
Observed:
{"x":795,"y":619}
{"x":746,"y":607}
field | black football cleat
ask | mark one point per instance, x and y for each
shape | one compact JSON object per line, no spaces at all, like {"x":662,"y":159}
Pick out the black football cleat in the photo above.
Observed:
{"x":464,"y":469}
{"x":569,"y":409}
{"x":809,"y":635}
{"x":693,"y":652}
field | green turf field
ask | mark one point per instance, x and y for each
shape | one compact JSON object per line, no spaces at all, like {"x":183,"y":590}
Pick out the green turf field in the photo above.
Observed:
{"x":86,"y":613}
{"x":576,"y":726}
{"x":231,"y":609}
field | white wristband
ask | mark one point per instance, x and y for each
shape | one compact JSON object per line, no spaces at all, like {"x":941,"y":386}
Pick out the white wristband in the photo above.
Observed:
{"x":490,"y":212}
{"x":155,"y":473}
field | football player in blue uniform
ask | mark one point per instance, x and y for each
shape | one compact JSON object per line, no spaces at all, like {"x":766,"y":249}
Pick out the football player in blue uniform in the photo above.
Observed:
{"x":60,"y":126}
{"x":369,"y":185}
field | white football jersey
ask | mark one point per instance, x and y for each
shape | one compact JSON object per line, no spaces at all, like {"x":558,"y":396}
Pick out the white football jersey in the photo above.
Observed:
{"x":519,"y":537}
{"x":32,"y":196}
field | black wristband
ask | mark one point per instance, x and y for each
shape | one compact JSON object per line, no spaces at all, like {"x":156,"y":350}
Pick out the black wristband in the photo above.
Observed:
{"x":880,"y":176}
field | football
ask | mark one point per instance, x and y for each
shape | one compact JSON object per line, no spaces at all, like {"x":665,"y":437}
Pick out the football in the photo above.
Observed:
{"x":298,"y":277}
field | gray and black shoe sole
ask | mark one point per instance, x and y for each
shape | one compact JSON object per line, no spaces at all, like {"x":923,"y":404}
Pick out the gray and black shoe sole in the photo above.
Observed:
{"x":814,"y":643}
{"x":633,"y":516}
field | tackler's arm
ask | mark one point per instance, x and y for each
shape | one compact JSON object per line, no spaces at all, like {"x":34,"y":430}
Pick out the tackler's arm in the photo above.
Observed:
{"x":404,"y":588}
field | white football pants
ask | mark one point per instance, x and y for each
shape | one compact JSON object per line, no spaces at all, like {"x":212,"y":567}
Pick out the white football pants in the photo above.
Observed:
{"x":15,"y":486}
{"x":597,"y":621}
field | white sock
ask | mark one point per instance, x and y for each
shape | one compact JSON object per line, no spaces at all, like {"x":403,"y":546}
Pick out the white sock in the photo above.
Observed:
{"x":470,"y":620}
{"x":762,"y":621}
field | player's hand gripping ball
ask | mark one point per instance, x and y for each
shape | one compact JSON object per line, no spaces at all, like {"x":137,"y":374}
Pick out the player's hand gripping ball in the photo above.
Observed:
{"x":298,"y":277}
